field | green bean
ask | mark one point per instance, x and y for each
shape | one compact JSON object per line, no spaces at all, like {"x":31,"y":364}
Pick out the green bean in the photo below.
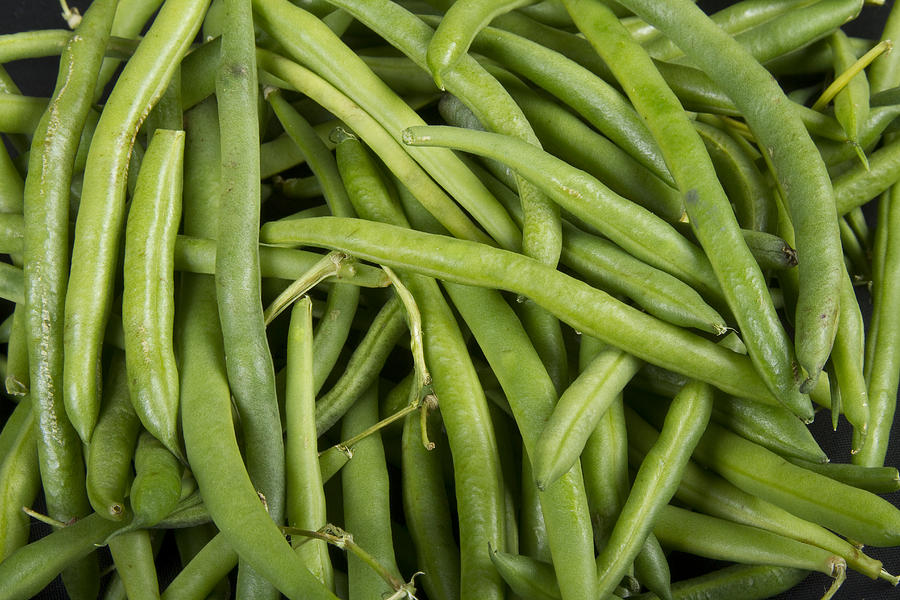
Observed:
{"x":251,"y":374}
{"x":460,"y":24}
{"x":203,"y":572}
{"x":300,"y":188}
{"x":101,"y":212}
{"x":133,"y":558}
{"x":526,"y":577}
{"x":19,"y":478}
{"x":586,"y":198}
{"x":797,"y":163}
{"x":814,"y":58}
{"x":878,"y":480}
{"x":427,"y":510}
{"x":148,"y":297}
{"x":740,"y":177}
{"x":734,"y":19}
{"x":157,"y":483}
{"x":847,"y":361}
{"x":882,"y":377}
{"x":796,"y":28}
{"x":130,"y":19}
{"x":390,"y":152}
{"x":735,"y":582}
{"x":884,"y":73}
{"x":167,"y":113}
{"x":304,"y":494}
{"x":859,"y":185}
{"x":342,"y":67}
{"x":586,"y":309}
{"x":12,"y":283}
{"x":711,"y":494}
{"x":836,"y":154}
{"x":605,"y":463}
{"x":656,"y":481}
{"x":711,"y":216}
{"x":730,"y":541}
{"x":12,"y":232}
{"x":652,"y":569}
{"x":532,"y":534}
{"x":855,"y":255}
{"x":578,"y":411}
{"x":770,"y":251}
{"x":12,"y":188}
{"x":851,"y":104}
{"x":366,"y":506}
{"x":111,"y":449}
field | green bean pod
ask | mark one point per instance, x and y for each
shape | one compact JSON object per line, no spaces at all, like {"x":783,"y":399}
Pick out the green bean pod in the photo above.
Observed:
{"x":724,"y":540}
{"x":365,"y":492}
{"x":586,"y":309}
{"x":884,"y":331}
{"x":148,"y":301}
{"x":101,"y":212}
{"x":651,"y":568}
{"x":156,"y":488}
{"x":16,"y":379}
{"x":362,"y":370}
{"x":459,"y":25}
{"x":847,"y":361}
{"x":32,"y":567}
{"x":251,"y":373}
{"x":133,"y":557}
{"x":798,"y":166}
{"x":735,"y":582}
{"x":656,"y":481}
{"x":46,"y":212}
{"x":878,"y":480}
{"x":305,"y":498}
{"x":205,"y":569}
{"x":770,"y":251}
{"x":111,"y":449}
{"x":577,"y":413}
{"x":526,"y":577}
{"x":859,"y":185}
{"x":851,"y":105}
{"x":19,"y":478}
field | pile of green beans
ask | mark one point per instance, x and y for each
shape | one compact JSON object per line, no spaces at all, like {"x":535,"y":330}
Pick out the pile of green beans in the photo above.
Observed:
{"x":588,"y":299}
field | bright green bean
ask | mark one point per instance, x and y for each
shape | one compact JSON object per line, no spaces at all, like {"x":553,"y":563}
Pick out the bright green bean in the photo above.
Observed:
{"x":156,"y":488}
{"x":148,"y":301}
{"x":860,"y":184}
{"x":133,"y":557}
{"x":736,"y":582}
{"x":20,"y":114}
{"x":198,"y":577}
{"x":651,"y":568}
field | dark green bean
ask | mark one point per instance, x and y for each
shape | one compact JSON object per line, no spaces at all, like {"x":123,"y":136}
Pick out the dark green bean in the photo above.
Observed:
{"x":878,"y":480}
{"x":860,"y":184}
{"x":16,"y":379}
{"x":203,"y":572}
{"x":526,"y":577}
{"x":251,"y":373}
{"x":427,"y":509}
{"x":851,"y":104}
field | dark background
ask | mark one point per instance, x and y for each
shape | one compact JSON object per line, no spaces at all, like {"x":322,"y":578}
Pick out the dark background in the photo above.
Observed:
{"x":37,"y":77}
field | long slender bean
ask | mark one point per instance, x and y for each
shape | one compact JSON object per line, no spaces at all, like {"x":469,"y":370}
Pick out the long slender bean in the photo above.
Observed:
{"x":19,"y":478}
{"x":133,"y":558}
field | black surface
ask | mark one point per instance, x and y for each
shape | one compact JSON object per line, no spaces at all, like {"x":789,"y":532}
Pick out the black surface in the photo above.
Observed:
{"x":37,"y":77}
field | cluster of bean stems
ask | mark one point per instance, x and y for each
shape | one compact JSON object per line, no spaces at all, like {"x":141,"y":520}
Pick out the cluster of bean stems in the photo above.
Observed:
{"x":448,"y":299}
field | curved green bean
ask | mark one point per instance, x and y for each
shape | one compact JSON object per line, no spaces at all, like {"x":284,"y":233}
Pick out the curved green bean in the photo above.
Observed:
{"x":156,"y":488}
{"x":19,"y":478}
